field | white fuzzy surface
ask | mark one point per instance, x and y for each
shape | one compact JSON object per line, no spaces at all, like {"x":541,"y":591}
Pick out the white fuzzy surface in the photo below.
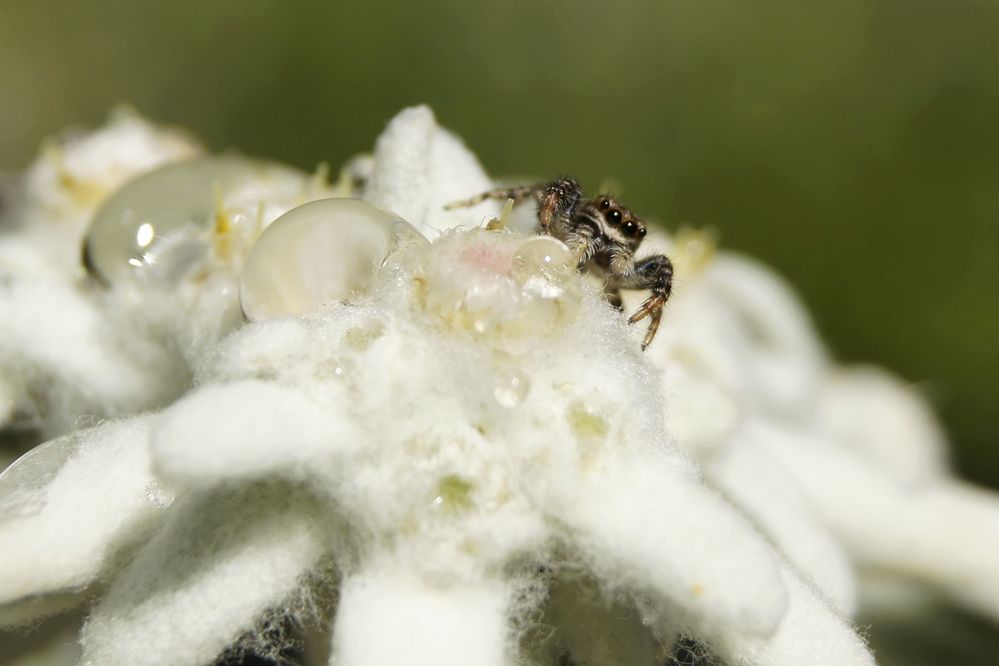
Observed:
{"x":69,"y":507}
{"x":94,"y":370}
{"x":808,"y":634}
{"x":884,"y":421}
{"x":943,"y":534}
{"x":386,"y":615}
{"x":643,"y":524}
{"x":772,"y":499}
{"x":221,"y":562}
{"x":250,"y":435}
{"x":419,"y":167}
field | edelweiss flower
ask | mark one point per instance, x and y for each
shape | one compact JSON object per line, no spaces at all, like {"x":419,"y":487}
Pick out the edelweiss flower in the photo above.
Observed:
{"x":463,"y":440}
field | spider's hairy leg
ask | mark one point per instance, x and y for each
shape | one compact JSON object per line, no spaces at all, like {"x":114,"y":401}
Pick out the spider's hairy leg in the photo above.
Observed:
{"x":518,"y":194}
{"x":654,"y":273}
{"x":583,"y":240}
{"x":559,"y":201}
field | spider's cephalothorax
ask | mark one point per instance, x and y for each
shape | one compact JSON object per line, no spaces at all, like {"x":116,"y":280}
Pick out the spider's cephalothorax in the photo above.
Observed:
{"x":604,"y":235}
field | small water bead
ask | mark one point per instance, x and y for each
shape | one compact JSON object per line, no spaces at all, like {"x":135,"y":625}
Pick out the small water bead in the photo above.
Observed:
{"x":156,"y":226}
{"x":543,"y":257}
{"x":510,"y":390}
{"x":493,"y":285}
{"x":158,"y":496}
{"x":318,"y":253}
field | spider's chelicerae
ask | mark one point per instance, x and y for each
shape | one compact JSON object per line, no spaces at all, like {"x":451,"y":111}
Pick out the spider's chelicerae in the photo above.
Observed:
{"x":604,"y":235}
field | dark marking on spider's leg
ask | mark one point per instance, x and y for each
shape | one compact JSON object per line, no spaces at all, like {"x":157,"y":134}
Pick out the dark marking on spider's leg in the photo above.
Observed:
{"x":518,"y":194}
{"x":654,"y":273}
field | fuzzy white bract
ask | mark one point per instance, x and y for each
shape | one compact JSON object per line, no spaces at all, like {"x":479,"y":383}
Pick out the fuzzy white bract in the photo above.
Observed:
{"x":466,"y":459}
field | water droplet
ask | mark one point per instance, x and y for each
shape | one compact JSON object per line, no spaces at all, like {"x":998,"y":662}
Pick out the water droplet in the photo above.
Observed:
{"x":24,"y":484}
{"x":159,"y":497}
{"x":157,"y":227}
{"x":543,"y":257}
{"x":322,"y":252}
{"x":510,"y":390}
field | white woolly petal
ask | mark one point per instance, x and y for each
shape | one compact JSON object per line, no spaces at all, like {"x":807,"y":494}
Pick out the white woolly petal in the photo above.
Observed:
{"x":59,"y":349}
{"x":41,"y":251}
{"x":885,"y":421}
{"x":70,"y":505}
{"x":702,"y":412}
{"x":781,"y":347}
{"x":419,"y":167}
{"x":247,"y":429}
{"x":738,"y":324}
{"x":906,"y":530}
{"x":769,"y":497}
{"x":389,"y":616}
{"x":639,"y":522}
{"x":223,"y":560}
{"x":809,"y":633}
{"x":86,"y":166}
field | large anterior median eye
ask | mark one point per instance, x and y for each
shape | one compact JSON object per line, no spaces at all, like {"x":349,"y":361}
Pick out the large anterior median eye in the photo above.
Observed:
{"x":322,"y":252}
{"x":158,"y":226}
{"x":614,"y":217}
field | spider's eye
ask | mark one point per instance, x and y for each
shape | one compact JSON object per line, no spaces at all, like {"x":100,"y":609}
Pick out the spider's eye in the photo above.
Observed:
{"x":605,"y":204}
{"x":642,"y":231}
{"x":630,"y":228}
{"x":614,"y":217}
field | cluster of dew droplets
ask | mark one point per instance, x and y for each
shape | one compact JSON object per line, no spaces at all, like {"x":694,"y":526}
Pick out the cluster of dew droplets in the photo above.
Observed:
{"x":476,"y":281}
{"x":162,"y":228}
{"x":495,"y":287}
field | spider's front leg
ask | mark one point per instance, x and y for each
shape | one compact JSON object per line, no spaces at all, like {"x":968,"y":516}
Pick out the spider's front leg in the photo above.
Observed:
{"x":654,"y":273}
{"x":557,"y":205}
{"x":557,"y":200}
{"x":518,"y":194}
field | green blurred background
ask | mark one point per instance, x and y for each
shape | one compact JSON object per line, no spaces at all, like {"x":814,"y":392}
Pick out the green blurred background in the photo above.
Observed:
{"x":853,"y":144}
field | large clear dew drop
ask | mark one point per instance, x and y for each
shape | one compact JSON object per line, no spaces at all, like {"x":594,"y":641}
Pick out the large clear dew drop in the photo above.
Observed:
{"x":318,"y":253}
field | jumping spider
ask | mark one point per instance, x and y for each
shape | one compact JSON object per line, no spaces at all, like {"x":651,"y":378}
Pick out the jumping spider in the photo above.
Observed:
{"x":604,"y":235}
